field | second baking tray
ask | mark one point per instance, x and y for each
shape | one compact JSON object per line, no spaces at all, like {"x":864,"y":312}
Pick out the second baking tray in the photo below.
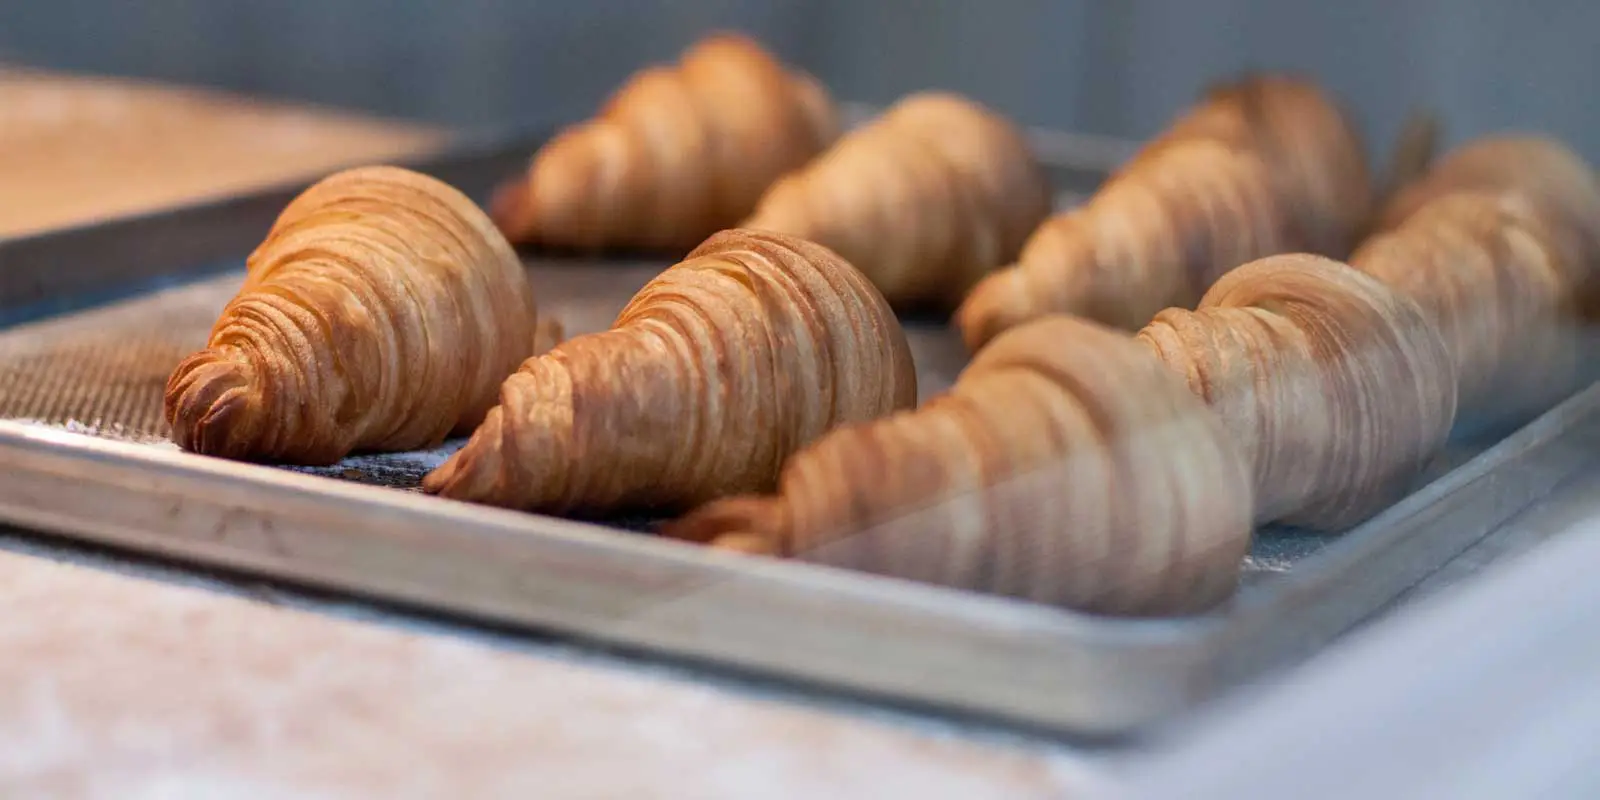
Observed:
{"x":97,"y":317}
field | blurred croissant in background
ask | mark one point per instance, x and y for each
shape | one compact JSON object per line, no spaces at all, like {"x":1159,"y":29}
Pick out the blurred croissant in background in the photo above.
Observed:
{"x":1499,"y":241}
{"x":1066,"y":466}
{"x":719,"y":368}
{"x":1556,"y":180}
{"x":678,"y":153}
{"x":925,"y":200}
{"x":1266,"y":165}
{"x":1075,"y":465}
{"x":380,"y":314}
{"x":1338,"y":388}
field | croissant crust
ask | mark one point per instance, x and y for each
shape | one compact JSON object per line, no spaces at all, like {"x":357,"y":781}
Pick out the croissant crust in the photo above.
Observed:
{"x":925,"y":199}
{"x":1267,"y":165}
{"x":380,"y":313}
{"x":753,"y":346}
{"x":675,"y":155}
{"x":1075,"y":465}
{"x":1500,"y":242}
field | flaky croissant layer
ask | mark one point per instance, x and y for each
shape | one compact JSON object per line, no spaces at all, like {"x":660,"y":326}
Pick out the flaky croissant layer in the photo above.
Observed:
{"x":380,"y":313}
{"x":1066,"y":466}
{"x":925,"y":199}
{"x":1556,"y":182}
{"x":1338,"y":388}
{"x":1266,"y":165}
{"x":1491,"y":273}
{"x":753,"y":346}
{"x":1500,"y":242}
{"x":1075,"y":465}
{"x":675,"y":155}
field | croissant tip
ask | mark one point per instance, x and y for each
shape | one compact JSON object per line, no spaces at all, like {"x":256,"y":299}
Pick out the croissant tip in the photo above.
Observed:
{"x":442,"y":480}
{"x":510,"y":207}
{"x":747,"y":543}
{"x":471,"y":474}
{"x":975,"y":319}
{"x":743,"y":524}
{"x":209,"y":405}
{"x":998,"y":303}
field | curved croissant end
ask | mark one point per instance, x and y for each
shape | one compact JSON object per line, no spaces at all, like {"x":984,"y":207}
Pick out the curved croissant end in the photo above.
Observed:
{"x":1312,"y":148}
{"x":1556,"y":179}
{"x":1266,"y":165}
{"x":1489,"y":270}
{"x":676,"y":154}
{"x":925,"y":199}
{"x":722,"y":366}
{"x":1338,"y":388}
{"x":1066,"y":466}
{"x":1077,"y":466}
{"x":1556,"y":182}
{"x":380,"y":313}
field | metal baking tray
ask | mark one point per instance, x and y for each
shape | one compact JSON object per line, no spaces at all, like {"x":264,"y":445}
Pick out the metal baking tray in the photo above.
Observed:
{"x":92,"y":320}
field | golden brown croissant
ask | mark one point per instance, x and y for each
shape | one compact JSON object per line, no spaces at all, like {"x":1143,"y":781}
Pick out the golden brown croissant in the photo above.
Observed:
{"x":1490,"y":273}
{"x":1557,"y":181}
{"x":1558,"y":184}
{"x":1267,"y":165}
{"x":925,"y":200}
{"x":675,"y":155}
{"x":1338,"y":388}
{"x":1074,"y":465}
{"x":717,"y":370}
{"x":381,"y":313}
{"x":1066,"y":466}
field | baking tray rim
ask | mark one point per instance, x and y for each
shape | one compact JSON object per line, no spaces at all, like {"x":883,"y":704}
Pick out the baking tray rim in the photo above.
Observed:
{"x":1112,"y":674}
{"x":1086,"y":673}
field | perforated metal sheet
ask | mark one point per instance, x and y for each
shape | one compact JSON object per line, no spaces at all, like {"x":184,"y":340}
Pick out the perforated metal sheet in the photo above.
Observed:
{"x":103,"y":371}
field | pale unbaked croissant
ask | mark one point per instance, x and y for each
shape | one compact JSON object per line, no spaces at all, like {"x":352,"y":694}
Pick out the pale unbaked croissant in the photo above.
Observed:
{"x":925,"y":199}
{"x":381,"y":313}
{"x":678,"y":153}
{"x":1266,"y":165}
{"x":1077,"y":466}
{"x":718,"y":369}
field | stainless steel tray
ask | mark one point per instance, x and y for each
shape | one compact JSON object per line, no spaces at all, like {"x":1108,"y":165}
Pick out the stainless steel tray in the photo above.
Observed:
{"x":94,"y":318}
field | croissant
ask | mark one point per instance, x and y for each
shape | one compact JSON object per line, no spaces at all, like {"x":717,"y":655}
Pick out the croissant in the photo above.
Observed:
{"x":380,"y":313}
{"x":1491,"y":274}
{"x":675,"y":155}
{"x":1077,"y":466}
{"x":925,"y":200}
{"x":713,"y":374}
{"x":1066,"y":466}
{"x":1338,"y":388}
{"x":1263,"y":166}
{"x":1557,"y":181}
{"x":1558,"y":186}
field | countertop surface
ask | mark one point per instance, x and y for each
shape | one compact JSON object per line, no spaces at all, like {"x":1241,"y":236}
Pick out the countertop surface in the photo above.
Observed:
{"x":75,"y":149}
{"x":145,"y":685}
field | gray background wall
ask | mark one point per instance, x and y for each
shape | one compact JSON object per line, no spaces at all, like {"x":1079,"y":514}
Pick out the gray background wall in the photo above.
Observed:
{"x":1109,"y":67}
